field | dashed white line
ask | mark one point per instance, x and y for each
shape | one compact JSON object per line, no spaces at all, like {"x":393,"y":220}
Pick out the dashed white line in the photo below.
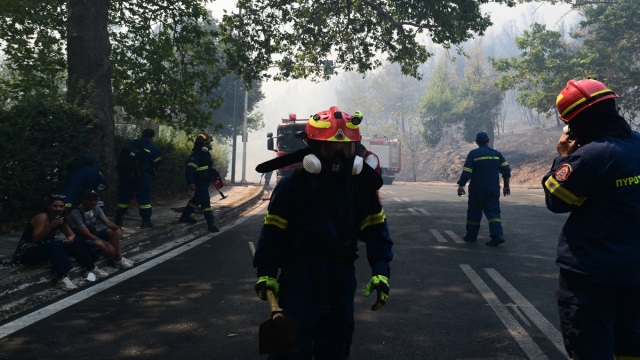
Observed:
{"x":454,"y":237}
{"x":437,"y":235}
{"x":530,"y":348}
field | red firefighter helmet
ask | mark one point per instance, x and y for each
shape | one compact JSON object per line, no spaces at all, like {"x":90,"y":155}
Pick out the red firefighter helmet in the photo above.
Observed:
{"x":579,"y":95}
{"x":335,"y":131}
{"x":203,"y":137}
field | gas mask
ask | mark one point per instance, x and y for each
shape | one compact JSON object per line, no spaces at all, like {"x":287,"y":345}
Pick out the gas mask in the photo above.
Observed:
{"x":337,"y":158}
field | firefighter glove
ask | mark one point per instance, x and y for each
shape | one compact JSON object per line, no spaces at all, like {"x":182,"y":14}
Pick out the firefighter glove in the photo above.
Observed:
{"x":380,"y":283}
{"x":264,"y":283}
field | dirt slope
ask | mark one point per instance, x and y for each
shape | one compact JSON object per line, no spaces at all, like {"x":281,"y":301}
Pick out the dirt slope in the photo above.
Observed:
{"x":529,"y":154}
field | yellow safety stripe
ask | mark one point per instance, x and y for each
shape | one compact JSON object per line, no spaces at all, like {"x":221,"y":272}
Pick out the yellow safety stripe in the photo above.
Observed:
{"x":275,"y":220}
{"x":201,"y":168}
{"x":144,"y":206}
{"x":495,"y":220}
{"x":319,"y":124}
{"x":351,"y":125}
{"x":579,"y":102}
{"x":561,"y":193}
{"x":373,"y":219}
{"x":473,"y":222}
{"x":191,"y":205}
{"x":467,"y":169}
{"x":194,"y":165}
{"x":504,"y":164}
{"x":157,"y":159}
{"x":147,"y":150}
{"x":622,"y":357}
{"x":486,"y":158}
{"x":123,"y":206}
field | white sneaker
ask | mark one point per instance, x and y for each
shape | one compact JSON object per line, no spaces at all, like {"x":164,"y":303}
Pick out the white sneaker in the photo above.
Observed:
{"x":124,"y":264}
{"x":97,"y":272}
{"x":65,"y":284}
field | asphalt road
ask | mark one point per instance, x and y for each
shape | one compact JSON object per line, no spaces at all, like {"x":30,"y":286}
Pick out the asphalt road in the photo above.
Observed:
{"x":449,"y":299}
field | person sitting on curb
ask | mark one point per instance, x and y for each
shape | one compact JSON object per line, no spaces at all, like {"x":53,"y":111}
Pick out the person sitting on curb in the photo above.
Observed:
{"x":48,"y":237}
{"x":83,"y":220}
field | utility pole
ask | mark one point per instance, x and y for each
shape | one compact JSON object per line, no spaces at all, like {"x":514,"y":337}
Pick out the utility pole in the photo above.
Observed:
{"x":244,"y":137}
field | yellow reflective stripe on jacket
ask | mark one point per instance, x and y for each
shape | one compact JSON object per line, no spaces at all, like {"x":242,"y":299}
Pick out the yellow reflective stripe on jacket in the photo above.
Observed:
{"x":201,"y":168}
{"x":504,"y":164}
{"x":194,"y":165}
{"x":157,"y":159}
{"x":275,"y":220}
{"x":561,"y":193}
{"x":470,"y":170}
{"x":486,"y":158}
{"x":373,"y":219}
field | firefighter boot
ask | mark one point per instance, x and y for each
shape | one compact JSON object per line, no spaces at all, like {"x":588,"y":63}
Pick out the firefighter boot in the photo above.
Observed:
{"x":495,"y":241}
{"x":187,"y":220}
{"x":211,"y":226}
{"x":146,"y":223}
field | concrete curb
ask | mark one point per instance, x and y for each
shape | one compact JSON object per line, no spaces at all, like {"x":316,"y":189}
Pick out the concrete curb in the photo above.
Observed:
{"x":25,"y":281}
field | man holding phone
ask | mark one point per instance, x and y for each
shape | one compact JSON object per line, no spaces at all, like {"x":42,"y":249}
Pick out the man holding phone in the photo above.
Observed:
{"x":595,"y":178}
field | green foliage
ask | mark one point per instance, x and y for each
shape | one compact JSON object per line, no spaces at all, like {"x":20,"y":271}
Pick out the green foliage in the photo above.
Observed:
{"x":38,"y":139}
{"x":437,"y":110}
{"x":166,"y":62}
{"x":542,"y":69}
{"x":604,"y":45}
{"x":351,"y":33}
{"x":165,"y":56}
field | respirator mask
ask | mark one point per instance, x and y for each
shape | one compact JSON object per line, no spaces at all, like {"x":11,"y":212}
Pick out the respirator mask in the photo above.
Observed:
{"x":334,"y":158}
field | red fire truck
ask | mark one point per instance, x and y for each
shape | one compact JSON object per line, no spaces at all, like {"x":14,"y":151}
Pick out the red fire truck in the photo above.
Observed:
{"x":286,"y":141}
{"x":390,"y":155}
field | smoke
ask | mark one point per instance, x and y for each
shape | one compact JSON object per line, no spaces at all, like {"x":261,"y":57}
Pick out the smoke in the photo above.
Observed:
{"x":301,"y":97}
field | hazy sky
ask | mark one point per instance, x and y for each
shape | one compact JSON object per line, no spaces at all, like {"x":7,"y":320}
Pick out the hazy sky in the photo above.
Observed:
{"x":305,"y":97}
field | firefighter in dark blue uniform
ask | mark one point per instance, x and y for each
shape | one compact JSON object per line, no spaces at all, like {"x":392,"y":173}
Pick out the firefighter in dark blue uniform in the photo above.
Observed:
{"x":313,"y":223}
{"x":199,"y":174}
{"x":83,"y":174}
{"x":142,"y":186}
{"x":483,"y":167}
{"x":596,"y":178}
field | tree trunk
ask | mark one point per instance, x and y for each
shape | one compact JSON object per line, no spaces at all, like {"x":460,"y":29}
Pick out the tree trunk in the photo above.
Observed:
{"x":89,"y":81}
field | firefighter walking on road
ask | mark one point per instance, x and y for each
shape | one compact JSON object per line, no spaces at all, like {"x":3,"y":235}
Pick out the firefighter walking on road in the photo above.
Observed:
{"x":199,"y":173}
{"x":482,"y":168}
{"x":310,"y":235}
{"x":595,"y":179}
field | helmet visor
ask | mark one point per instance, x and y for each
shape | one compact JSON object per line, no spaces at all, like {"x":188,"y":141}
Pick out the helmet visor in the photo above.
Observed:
{"x":329,"y":150}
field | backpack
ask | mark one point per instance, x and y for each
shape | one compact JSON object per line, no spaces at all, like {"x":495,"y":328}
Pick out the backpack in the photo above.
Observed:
{"x":131,"y":160}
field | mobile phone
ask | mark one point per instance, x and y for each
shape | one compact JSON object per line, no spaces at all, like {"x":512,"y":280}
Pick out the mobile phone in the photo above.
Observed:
{"x":59,"y":213}
{"x":567,"y":131}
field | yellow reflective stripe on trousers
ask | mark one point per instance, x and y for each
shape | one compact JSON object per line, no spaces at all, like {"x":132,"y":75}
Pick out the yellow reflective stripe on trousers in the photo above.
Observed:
{"x":275,"y":220}
{"x":561,"y":193}
{"x":467,"y":169}
{"x":373,"y":219}
{"x":494,"y":220}
{"x":148,"y":206}
{"x":206,"y":167}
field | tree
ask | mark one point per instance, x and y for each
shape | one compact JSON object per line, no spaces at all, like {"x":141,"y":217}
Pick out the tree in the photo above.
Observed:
{"x":479,"y":100}
{"x":603,"y":45}
{"x":353,"y":33}
{"x":164,"y":56}
{"x":437,"y":109}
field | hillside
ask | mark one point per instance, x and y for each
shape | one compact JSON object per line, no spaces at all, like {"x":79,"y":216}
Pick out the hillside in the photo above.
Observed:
{"x":529,"y":153}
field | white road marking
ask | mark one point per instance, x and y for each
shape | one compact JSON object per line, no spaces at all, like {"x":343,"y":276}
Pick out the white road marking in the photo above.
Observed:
{"x":437,"y":235}
{"x":532,"y":313}
{"x":29,"y":319}
{"x":412,"y":211}
{"x":423,"y":211}
{"x":530,"y":348}
{"x":453,"y":236}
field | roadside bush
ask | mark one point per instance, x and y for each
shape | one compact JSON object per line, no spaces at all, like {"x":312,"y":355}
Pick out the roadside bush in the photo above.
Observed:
{"x":37,"y":140}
